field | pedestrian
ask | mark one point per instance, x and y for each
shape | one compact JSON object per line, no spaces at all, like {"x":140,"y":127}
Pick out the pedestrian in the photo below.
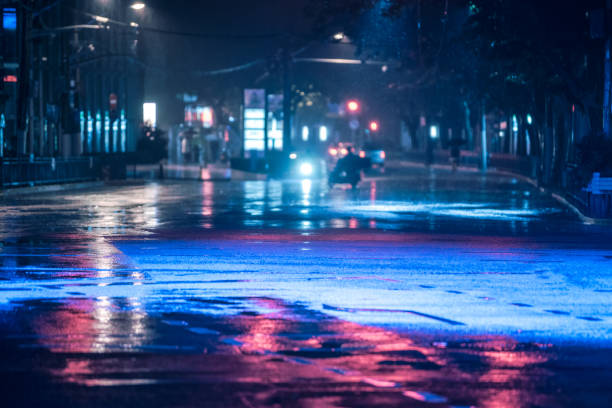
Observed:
{"x":455,"y":144}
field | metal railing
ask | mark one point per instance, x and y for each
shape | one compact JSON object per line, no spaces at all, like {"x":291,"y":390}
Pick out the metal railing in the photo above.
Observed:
{"x":39,"y":171}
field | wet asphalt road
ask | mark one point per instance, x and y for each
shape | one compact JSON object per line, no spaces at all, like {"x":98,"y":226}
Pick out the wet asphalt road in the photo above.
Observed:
{"x":419,"y":289}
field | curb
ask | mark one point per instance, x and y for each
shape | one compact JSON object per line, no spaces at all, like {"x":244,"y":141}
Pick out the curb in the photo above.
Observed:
{"x":584,"y":218}
{"x":53,"y":188}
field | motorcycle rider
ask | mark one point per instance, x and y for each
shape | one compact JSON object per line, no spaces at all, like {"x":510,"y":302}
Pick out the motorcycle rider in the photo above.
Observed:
{"x":347,"y":170}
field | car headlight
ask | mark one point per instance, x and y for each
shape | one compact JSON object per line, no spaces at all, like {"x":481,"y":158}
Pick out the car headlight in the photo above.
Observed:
{"x":306,"y":169}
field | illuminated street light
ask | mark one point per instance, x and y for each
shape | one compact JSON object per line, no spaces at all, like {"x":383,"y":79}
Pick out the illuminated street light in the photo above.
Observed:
{"x":101,"y":19}
{"x":374,"y":126}
{"x":139,"y":5}
{"x":339,"y":36}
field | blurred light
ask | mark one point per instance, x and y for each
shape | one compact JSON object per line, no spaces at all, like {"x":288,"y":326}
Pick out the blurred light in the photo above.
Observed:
{"x":503,"y":125}
{"x":101,"y":19}
{"x":352,"y":106}
{"x":323,"y":133}
{"x":529,"y":119}
{"x":149,"y":113}
{"x":134,"y":24}
{"x":138,"y":5}
{"x":362,"y":154}
{"x":343,"y":151}
{"x":10,"y":78}
{"x":501,"y":133}
{"x":293,"y":156}
{"x":374,"y":126}
{"x":333,"y":151}
{"x":384,"y":68}
{"x":383,"y":154}
{"x":306,"y":187}
{"x":207,"y":117}
{"x":433,"y":132}
{"x":306,"y":169}
{"x":305,"y":133}
{"x":338,"y":36}
{"x":515,"y":126}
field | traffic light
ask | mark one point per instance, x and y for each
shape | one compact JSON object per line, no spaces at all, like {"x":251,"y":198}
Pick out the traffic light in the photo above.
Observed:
{"x":352,"y":106}
{"x":374,"y":126}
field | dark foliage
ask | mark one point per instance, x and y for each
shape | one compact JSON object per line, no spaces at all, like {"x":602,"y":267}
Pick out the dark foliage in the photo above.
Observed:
{"x":594,"y":153}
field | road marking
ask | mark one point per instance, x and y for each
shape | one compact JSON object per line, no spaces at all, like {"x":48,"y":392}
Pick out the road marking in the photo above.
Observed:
{"x":412,"y":312}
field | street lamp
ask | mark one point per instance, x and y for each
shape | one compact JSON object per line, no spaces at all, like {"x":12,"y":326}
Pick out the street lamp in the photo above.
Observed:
{"x":374,"y":126}
{"x":138,"y":5}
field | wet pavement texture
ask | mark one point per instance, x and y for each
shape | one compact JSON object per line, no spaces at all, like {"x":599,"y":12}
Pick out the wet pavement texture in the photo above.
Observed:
{"x":419,"y":289}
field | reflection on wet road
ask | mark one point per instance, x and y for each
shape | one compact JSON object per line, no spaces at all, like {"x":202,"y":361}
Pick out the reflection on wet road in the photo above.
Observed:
{"x":419,"y":289}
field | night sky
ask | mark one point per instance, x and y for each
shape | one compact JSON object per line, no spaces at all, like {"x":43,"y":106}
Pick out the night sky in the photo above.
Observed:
{"x":233,"y":33}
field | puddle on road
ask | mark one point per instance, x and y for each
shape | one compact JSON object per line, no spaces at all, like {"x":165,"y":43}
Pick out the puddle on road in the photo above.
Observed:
{"x":112,"y":342}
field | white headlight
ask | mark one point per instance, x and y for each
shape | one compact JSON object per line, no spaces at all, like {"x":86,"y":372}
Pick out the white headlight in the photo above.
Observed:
{"x":306,"y":169}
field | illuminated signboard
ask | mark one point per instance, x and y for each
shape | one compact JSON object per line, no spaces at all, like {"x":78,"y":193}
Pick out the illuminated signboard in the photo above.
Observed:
{"x":123,"y":129}
{"x":9,"y":19}
{"x":149,"y":114}
{"x":254,"y":119}
{"x":90,"y":128}
{"x":275,"y":122}
{"x":198,"y":115}
{"x":206,"y":117}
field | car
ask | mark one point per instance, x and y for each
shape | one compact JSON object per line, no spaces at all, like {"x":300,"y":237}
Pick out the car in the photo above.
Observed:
{"x":306,"y":165}
{"x":374,"y":153}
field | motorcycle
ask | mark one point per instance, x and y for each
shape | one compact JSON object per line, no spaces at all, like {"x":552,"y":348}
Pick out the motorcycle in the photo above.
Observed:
{"x":342,"y":177}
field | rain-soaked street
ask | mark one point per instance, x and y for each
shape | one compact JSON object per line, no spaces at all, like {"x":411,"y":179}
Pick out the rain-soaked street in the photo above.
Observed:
{"x":419,"y":289}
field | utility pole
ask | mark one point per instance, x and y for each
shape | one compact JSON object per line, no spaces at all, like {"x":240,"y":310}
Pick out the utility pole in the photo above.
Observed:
{"x":607,"y":71}
{"x":3,"y":96}
{"x":483,"y":135}
{"x":23,"y":106}
{"x":286,"y":100}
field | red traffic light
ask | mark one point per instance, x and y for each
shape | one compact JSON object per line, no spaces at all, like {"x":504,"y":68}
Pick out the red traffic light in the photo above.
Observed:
{"x":374,"y":126}
{"x":352,"y":106}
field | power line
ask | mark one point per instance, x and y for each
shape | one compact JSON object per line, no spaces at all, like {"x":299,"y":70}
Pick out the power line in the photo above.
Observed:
{"x":213,"y":36}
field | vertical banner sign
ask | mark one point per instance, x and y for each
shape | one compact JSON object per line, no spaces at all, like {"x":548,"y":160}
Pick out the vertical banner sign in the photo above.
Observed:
{"x":275,"y":122}
{"x":254,"y":119}
{"x":123,"y":131}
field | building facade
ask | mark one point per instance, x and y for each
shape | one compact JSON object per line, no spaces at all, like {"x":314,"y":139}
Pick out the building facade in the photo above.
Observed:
{"x":72,"y":78}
